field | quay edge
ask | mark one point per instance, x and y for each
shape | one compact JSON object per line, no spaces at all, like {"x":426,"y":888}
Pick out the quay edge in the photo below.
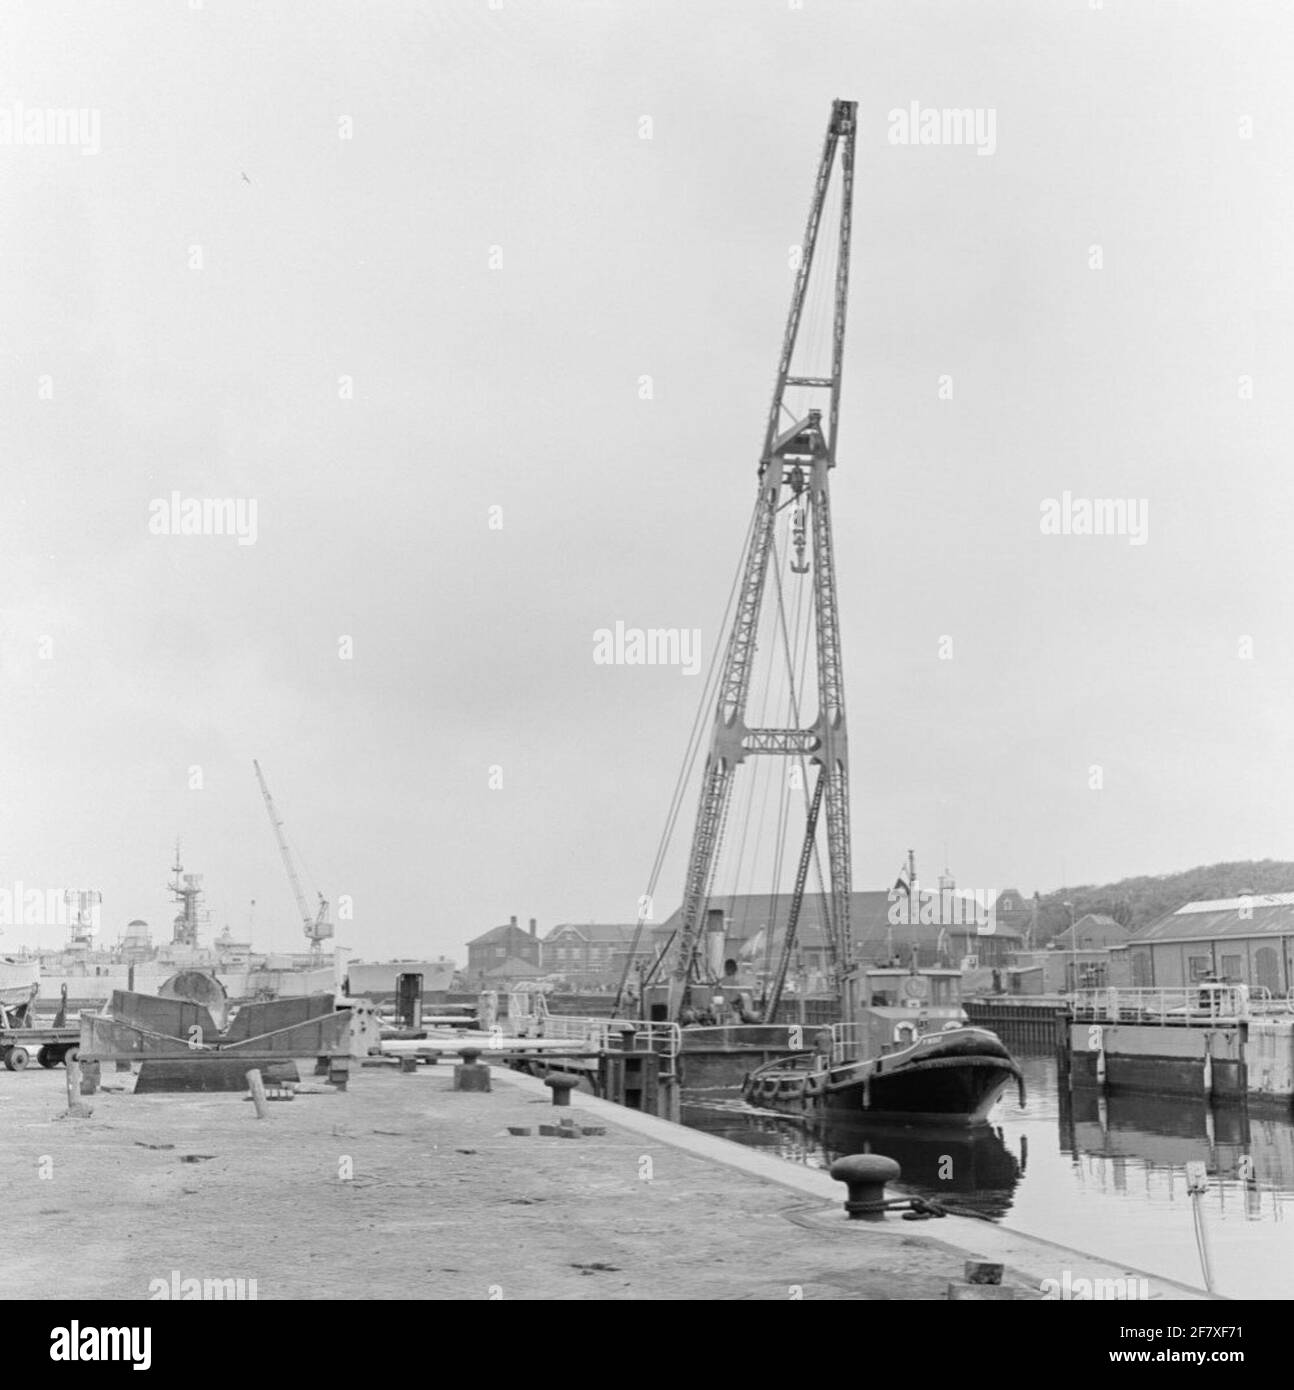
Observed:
{"x":1029,"y":1259}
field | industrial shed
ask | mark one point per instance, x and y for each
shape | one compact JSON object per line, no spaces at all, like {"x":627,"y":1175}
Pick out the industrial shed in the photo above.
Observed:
{"x":1247,"y":940}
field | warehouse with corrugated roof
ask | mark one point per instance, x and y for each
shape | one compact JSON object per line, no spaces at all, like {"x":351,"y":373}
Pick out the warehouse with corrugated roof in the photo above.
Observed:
{"x":1247,"y":940}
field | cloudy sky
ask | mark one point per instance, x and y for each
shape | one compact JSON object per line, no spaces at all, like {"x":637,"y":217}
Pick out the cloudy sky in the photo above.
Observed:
{"x":381,"y":269}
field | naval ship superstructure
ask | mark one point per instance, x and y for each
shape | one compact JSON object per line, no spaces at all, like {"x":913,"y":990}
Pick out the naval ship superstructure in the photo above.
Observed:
{"x":83,"y":973}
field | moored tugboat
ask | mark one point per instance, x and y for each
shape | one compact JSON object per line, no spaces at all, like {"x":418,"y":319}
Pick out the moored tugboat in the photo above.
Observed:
{"x":910,"y":1058}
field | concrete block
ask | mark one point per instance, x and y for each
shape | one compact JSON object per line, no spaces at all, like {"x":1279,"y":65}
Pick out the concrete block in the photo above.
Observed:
{"x":983,"y":1292}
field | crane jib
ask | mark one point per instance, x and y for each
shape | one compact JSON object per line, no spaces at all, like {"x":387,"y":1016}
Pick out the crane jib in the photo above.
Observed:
{"x":795,"y":461}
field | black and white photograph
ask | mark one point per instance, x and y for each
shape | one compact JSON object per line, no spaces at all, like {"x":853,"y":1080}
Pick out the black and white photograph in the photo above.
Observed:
{"x":646,"y":654}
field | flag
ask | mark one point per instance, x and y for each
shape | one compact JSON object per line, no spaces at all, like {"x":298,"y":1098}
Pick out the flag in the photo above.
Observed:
{"x":901,"y":885}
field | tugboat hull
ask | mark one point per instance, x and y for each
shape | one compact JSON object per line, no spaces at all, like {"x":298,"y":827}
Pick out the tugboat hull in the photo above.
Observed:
{"x":954,"y":1076}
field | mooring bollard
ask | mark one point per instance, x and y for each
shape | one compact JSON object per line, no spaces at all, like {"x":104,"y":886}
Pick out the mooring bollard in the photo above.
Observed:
{"x":408,"y":1064}
{"x":865,"y":1175}
{"x":257,"y":1087}
{"x":339,"y":1072}
{"x":471,"y":1075}
{"x":561,"y":1084}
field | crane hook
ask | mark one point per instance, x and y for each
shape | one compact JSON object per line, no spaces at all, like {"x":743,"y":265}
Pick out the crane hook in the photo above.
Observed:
{"x":798,"y":538}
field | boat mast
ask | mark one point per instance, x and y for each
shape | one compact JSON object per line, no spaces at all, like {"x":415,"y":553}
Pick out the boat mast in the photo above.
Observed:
{"x":796,"y":461}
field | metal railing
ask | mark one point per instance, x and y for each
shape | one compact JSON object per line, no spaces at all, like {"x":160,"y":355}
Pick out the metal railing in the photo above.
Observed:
{"x":1189,"y":1004}
{"x":606,"y":1033}
{"x":594,"y":1031}
{"x":1263,"y":1001}
{"x":660,"y":1037}
{"x":847,"y":1041}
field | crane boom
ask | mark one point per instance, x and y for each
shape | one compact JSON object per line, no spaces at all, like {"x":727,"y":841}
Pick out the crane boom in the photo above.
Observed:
{"x":799,"y":458}
{"x":307,"y":920}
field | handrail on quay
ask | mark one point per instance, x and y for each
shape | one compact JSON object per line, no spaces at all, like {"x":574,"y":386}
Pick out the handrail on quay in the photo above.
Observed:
{"x":1190,"y":1005}
{"x":608,"y":1033}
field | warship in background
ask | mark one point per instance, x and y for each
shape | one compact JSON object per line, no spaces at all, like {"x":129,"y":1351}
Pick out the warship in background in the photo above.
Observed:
{"x":84,"y":973}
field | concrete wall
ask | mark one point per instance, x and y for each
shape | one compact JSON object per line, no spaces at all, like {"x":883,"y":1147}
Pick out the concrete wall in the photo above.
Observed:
{"x":1270,"y":1053}
{"x":1161,"y":1059}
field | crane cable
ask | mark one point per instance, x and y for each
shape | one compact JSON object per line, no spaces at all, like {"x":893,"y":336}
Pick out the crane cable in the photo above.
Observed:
{"x":748,"y":796}
{"x":795,"y":718}
{"x":708,"y":691}
{"x":790,"y":641}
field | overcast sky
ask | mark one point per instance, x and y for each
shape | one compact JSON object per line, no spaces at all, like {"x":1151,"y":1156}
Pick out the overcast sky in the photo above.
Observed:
{"x":453,"y":206}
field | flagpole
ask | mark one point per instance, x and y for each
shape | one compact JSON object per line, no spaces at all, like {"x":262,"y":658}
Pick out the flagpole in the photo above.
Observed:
{"x":914,"y":900}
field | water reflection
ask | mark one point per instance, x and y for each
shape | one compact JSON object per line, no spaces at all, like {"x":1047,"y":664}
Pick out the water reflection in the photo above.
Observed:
{"x":967,"y":1169}
{"x":1161,"y":1135}
{"x":1101,"y":1174}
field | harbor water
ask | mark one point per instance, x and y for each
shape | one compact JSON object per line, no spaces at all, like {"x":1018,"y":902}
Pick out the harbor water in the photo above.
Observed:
{"x":1103,"y":1175}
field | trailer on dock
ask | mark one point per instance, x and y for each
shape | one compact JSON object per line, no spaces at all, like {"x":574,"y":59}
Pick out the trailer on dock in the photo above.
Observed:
{"x":24,"y":1040}
{"x":48,"y":1047}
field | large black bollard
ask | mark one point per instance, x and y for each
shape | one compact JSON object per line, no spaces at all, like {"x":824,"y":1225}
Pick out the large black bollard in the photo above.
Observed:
{"x":471,"y":1075}
{"x":866,"y":1176}
{"x":561,"y":1084}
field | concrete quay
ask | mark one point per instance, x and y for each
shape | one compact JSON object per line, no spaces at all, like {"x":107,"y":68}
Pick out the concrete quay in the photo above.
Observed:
{"x":401,"y":1187}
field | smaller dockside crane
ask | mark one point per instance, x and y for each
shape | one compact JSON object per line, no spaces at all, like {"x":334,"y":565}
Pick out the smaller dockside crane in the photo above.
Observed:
{"x":318,"y":928}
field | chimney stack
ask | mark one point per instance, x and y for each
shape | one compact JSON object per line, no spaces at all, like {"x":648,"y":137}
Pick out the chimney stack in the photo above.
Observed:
{"x":512,"y":921}
{"x":534,"y":927}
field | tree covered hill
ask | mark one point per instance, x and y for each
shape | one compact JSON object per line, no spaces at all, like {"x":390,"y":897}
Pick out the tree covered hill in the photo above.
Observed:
{"x":1136,"y":901}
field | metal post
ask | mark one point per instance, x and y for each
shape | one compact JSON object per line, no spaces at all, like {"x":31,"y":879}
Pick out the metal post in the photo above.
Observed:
{"x":257,"y":1088}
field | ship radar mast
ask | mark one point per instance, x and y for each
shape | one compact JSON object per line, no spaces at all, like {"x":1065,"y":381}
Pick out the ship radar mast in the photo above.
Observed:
{"x":186,"y":889}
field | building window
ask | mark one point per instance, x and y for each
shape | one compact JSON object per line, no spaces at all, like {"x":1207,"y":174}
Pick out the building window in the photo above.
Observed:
{"x":1199,"y":967}
{"x":1232,"y":968}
